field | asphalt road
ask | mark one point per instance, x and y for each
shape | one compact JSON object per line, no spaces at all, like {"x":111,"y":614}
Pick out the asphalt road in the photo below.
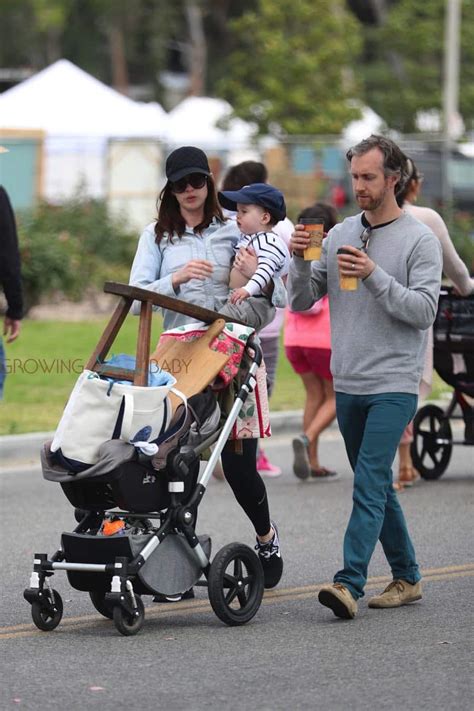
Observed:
{"x":294,"y":654}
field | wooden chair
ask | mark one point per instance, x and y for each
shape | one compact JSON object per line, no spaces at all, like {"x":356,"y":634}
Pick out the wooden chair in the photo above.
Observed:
{"x":203,"y":363}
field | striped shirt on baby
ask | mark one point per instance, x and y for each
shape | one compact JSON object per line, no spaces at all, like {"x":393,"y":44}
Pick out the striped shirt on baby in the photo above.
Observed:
{"x":273,"y":259}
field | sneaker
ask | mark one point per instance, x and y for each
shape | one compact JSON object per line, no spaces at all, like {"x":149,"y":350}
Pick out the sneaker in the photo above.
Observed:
{"x":187,"y":595}
{"x":396,"y":594}
{"x":301,"y":466}
{"x":338,"y":598}
{"x":265,"y":467}
{"x":324,"y":474}
{"x":270,"y":557}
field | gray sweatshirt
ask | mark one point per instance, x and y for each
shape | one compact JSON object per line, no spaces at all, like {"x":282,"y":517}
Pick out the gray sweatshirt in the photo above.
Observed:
{"x":379,"y":332}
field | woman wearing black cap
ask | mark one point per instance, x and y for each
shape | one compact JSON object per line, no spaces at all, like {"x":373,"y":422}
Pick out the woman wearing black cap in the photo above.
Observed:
{"x":187,"y":254}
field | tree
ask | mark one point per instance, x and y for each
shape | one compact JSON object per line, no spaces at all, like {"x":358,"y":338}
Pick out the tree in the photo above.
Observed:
{"x":403,"y":65}
{"x":289,"y":69}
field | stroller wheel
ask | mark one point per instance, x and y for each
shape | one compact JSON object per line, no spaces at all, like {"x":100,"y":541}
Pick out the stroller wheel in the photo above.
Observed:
{"x":126,"y":623}
{"x":432,"y":442}
{"x":98,"y":600}
{"x":235,"y":584}
{"x":47,"y":616}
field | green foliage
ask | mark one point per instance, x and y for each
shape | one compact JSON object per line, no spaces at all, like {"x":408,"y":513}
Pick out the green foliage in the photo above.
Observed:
{"x":289,"y":70}
{"x":403,"y":68}
{"x":71,"y":248}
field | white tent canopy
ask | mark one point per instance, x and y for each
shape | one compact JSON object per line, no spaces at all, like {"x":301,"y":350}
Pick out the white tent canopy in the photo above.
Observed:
{"x":194,"y":122}
{"x":63,"y":100}
{"x":78,"y":114}
{"x":369,"y":123}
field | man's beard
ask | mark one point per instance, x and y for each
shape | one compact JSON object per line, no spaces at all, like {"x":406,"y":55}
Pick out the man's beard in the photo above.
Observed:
{"x":375,"y":202}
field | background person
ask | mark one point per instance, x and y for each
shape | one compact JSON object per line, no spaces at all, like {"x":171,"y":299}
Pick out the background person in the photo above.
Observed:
{"x":455,"y":269}
{"x":237,"y":176}
{"x":379,"y":334}
{"x":307,"y":339}
{"x":187,"y":255}
{"x":10,"y":277}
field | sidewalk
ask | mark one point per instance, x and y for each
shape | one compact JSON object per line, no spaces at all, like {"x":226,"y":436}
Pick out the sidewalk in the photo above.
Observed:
{"x":25,"y":448}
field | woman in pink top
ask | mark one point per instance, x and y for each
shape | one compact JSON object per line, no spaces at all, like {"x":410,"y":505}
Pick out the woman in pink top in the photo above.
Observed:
{"x":307,"y":339}
{"x":455,"y":269}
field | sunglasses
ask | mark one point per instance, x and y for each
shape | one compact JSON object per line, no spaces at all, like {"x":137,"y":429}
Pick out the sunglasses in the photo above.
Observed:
{"x":365,"y":238}
{"x":195,"y":180}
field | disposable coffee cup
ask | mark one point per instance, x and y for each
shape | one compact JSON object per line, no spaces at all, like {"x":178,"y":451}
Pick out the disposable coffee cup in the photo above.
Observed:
{"x":315,"y":227}
{"x":346,"y":283}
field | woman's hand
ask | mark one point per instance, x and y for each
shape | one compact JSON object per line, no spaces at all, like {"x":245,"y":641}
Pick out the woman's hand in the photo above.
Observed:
{"x":299,"y":240}
{"x":356,"y":263}
{"x":195,"y":269}
{"x":246,"y":262}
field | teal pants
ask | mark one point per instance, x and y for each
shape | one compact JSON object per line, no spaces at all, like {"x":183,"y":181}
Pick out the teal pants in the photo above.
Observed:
{"x":371,"y":426}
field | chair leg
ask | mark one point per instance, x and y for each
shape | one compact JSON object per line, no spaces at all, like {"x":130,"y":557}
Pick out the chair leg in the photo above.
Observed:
{"x":109,"y":334}
{"x":143,"y":344}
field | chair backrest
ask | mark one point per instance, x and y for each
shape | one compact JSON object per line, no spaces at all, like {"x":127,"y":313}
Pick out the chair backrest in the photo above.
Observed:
{"x":148,"y":299}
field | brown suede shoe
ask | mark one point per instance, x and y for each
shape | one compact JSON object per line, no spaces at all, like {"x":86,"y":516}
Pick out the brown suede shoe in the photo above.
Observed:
{"x":398,"y":593}
{"x":338,"y":598}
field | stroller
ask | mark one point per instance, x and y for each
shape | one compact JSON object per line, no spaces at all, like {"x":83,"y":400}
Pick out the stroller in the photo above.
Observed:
{"x":453,"y":357}
{"x":148,"y":504}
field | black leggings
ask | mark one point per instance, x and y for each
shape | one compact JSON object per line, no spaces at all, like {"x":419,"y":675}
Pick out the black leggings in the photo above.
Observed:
{"x":241,"y":472}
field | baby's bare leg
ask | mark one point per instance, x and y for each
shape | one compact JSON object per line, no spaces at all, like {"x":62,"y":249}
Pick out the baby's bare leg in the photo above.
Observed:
{"x":237,"y":279}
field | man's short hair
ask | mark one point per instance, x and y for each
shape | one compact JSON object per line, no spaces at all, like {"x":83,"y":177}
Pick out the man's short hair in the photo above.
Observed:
{"x":394,"y":159}
{"x":245,"y":173}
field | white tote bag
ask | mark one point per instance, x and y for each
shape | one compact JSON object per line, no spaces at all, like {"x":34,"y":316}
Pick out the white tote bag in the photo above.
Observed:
{"x":99,"y":410}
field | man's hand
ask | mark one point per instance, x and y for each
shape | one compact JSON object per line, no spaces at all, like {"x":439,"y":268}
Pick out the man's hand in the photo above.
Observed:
{"x":239,"y":295}
{"x":195,"y":269}
{"x":299,"y":240}
{"x":11,"y":329}
{"x":246,"y":261}
{"x":356,"y":263}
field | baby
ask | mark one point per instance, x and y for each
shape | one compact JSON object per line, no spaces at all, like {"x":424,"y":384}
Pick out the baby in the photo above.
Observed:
{"x":259,"y":207}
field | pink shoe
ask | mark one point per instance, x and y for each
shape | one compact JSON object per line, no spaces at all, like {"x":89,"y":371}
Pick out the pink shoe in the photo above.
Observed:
{"x":266,"y":468}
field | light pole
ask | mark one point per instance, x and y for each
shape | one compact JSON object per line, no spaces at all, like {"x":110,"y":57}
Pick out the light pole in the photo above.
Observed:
{"x":451,"y":118}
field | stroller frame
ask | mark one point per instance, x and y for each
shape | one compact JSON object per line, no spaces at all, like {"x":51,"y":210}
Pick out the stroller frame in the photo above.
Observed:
{"x":235,"y":596}
{"x":433,"y":441}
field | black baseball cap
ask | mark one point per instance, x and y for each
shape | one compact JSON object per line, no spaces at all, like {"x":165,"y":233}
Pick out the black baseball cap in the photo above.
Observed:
{"x":184,"y":161}
{"x":256,"y":194}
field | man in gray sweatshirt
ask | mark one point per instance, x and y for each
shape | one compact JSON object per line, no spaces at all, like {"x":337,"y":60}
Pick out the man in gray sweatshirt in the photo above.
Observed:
{"x":379,"y":334}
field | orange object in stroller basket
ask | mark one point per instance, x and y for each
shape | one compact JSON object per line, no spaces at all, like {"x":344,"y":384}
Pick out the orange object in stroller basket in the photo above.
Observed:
{"x":110,"y":528}
{"x":136,"y":507}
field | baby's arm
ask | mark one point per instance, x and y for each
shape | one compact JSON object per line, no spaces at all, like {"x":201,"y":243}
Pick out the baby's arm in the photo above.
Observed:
{"x":271,"y":254}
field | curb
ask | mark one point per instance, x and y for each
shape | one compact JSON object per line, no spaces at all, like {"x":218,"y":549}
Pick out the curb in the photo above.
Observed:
{"x":23,"y":447}
{"x":26,"y":447}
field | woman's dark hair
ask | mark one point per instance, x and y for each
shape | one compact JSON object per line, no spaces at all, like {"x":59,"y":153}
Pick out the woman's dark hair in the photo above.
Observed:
{"x":413,"y":178}
{"x":170,"y":221}
{"x":245,"y":173}
{"x":324,"y":210}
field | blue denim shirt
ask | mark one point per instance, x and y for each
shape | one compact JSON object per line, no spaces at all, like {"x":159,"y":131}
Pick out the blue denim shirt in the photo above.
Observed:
{"x":154,"y":265}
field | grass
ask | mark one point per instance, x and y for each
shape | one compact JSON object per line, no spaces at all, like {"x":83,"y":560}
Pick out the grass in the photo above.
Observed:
{"x":45,"y":361}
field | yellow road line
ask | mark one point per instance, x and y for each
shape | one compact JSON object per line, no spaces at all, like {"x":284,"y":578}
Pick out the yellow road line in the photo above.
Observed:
{"x":186,"y":608}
